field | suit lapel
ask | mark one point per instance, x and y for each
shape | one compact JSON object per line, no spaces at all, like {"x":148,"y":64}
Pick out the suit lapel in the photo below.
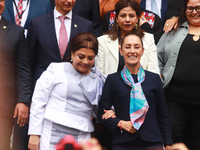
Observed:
{"x":50,"y":24}
{"x":9,"y":5}
{"x":32,"y":9}
{"x":113,"y":47}
{"x":4,"y":28}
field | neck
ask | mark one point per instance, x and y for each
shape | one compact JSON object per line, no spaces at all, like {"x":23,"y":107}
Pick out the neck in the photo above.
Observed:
{"x":194,"y":29}
{"x":133,"y":69}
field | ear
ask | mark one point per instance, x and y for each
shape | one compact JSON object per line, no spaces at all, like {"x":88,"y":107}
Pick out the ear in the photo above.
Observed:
{"x":120,"y":50}
{"x":116,"y":18}
{"x":142,"y":51}
{"x":72,"y":55}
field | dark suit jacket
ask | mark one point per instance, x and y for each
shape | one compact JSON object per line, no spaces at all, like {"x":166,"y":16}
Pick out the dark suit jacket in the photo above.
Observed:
{"x":163,"y":8}
{"x":43,"y":43}
{"x":116,"y":93}
{"x":174,"y":8}
{"x":156,"y":30}
{"x":89,"y":9}
{"x":37,"y":8}
{"x":15,"y":77}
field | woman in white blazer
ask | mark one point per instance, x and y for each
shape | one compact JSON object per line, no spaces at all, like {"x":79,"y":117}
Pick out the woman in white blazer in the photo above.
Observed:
{"x":108,"y":59}
{"x":66,"y":97}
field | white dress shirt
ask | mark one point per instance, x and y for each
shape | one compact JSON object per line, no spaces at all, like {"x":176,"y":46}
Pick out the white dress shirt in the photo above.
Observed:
{"x":58,"y":23}
{"x":25,"y":7}
{"x":158,"y":2}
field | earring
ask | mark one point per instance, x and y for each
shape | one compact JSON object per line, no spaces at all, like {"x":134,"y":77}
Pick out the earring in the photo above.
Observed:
{"x":136,"y":26}
{"x":117,"y":27}
{"x":71,"y":61}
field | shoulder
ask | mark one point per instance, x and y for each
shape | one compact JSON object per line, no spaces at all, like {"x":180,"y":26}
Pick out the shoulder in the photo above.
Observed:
{"x":150,"y":76}
{"x":147,"y":38}
{"x":43,"y":17}
{"x":103,"y":38}
{"x":12,"y":25}
{"x":114,"y":76}
{"x":80,"y":19}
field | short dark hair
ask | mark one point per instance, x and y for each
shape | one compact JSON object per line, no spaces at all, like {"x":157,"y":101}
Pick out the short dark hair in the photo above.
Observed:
{"x":114,"y":33}
{"x":132,"y":33}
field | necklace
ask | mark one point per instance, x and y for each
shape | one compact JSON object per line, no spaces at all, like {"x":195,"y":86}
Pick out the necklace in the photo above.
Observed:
{"x":195,"y":37}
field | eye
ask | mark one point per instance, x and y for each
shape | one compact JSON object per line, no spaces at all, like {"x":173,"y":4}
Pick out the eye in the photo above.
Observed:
{"x":81,"y":57}
{"x":90,"y":58}
{"x":132,"y":15}
{"x":122,"y":15}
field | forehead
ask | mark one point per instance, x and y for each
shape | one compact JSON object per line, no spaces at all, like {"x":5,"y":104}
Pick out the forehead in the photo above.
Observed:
{"x":193,"y":3}
{"x":132,"y":40}
{"x":127,"y":10}
{"x":85,"y":51}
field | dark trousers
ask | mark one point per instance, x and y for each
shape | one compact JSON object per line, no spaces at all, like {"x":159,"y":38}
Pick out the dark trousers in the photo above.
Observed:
{"x":6,"y":124}
{"x":185,"y":123}
{"x":20,"y":137}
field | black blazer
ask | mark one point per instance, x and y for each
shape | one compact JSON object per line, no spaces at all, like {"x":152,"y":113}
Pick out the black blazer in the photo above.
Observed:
{"x":37,"y":8}
{"x":43,"y":44}
{"x":15,"y":73}
{"x":116,"y":93}
{"x":89,"y":9}
{"x":174,"y":8}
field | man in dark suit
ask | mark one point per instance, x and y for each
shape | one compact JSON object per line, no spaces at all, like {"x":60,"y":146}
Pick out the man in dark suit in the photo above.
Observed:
{"x":163,"y":10}
{"x":88,"y":9}
{"x":43,"y":37}
{"x":32,"y":9}
{"x":15,"y":78}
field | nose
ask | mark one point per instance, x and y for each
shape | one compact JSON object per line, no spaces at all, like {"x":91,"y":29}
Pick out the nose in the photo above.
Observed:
{"x":132,"y":50}
{"x":85,"y":61}
{"x":127,"y":18}
{"x":194,"y":11}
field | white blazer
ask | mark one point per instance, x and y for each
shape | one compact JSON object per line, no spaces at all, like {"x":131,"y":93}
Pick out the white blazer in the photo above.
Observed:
{"x":107,"y":59}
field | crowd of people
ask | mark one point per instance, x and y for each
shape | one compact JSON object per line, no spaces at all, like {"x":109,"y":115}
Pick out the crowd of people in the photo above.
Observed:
{"x":103,"y":69}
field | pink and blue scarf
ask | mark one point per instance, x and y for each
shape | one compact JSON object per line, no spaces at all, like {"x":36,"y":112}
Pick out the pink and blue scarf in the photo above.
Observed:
{"x":138,"y":103}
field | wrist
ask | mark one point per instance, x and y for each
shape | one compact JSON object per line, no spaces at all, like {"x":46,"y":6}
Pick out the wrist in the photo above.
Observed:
{"x":120,"y":126}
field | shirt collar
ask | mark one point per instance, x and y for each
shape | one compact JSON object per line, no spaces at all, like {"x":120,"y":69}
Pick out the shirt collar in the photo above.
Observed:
{"x":57,"y":14}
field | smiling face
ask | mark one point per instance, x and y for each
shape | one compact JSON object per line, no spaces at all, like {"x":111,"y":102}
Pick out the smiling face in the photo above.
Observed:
{"x":83,"y":60}
{"x":127,"y":20}
{"x":132,"y":50}
{"x":64,"y":6}
{"x":194,"y":17}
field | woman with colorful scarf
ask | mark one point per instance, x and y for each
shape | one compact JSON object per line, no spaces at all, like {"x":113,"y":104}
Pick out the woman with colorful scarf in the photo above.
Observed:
{"x":138,"y":100}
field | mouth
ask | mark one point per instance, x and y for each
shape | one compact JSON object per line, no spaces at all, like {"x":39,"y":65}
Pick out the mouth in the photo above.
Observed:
{"x":132,"y":56}
{"x":127,"y":25}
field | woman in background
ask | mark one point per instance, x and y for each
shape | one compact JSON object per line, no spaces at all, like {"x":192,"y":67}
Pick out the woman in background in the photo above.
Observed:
{"x":127,"y":18}
{"x":179,"y":63}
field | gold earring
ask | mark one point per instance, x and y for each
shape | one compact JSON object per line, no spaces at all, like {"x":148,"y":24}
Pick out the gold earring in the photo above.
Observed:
{"x":117,"y":27}
{"x":136,"y":26}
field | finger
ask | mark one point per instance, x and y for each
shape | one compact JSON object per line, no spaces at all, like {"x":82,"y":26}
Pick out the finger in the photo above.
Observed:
{"x":15,"y":113}
{"x":175,"y":26}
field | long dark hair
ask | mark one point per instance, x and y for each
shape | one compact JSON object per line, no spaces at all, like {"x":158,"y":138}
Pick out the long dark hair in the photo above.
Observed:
{"x":182,"y":16}
{"x":115,"y":33}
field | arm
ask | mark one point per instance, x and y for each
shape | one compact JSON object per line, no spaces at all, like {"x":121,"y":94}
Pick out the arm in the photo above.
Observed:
{"x":96,"y":17}
{"x":41,"y":95}
{"x":33,"y":45}
{"x":24,"y":81}
{"x":162,"y":113}
{"x":105,"y":103}
{"x":100,"y":58}
{"x":152,"y":59}
{"x":161,"y":52}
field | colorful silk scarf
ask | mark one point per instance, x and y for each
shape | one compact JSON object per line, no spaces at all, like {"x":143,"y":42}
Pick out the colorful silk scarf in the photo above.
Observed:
{"x":138,"y":102}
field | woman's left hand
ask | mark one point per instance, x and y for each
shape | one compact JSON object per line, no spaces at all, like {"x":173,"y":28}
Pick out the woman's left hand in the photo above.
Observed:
{"x":108,"y":114}
{"x":33,"y":143}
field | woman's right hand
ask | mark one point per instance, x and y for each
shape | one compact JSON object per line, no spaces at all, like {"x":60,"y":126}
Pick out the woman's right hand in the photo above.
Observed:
{"x":33,"y":143}
{"x":127,"y":126}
